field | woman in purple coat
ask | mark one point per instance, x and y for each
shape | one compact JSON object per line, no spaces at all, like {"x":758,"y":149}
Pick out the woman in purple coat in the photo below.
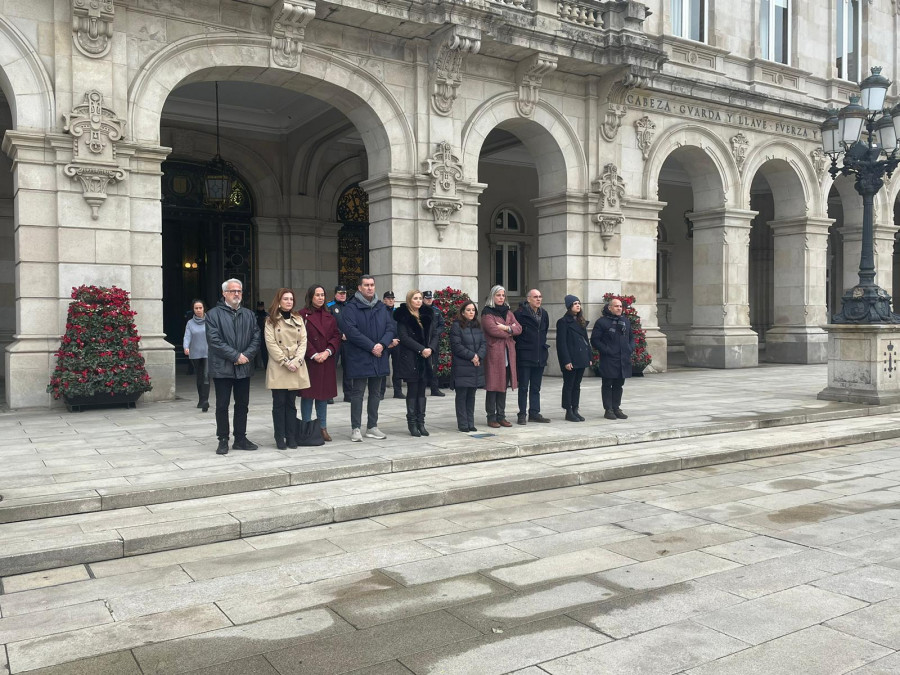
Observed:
{"x":323,"y":340}
{"x":500,"y":328}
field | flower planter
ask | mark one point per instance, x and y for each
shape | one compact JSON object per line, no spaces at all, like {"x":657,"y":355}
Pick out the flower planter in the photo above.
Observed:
{"x":79,"y":403}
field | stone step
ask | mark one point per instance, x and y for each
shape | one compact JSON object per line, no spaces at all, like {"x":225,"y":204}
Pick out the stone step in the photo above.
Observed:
{"x":128,"y":530}
{"x":49,"y":499}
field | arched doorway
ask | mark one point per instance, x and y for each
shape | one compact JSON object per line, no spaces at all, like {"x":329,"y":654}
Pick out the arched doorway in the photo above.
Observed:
{"x":7,"y":246}
{"x":202,"y":245}
{"x":353,"y":237}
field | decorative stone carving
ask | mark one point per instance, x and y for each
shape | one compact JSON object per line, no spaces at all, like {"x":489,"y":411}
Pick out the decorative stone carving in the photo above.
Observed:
{"x":609,"y":226}
{"x":612,"y":120}
{"x":92,"y":26}
{"x":739,"y":146}
{"x":645,"y":129}
{"x":445,"y":170}
{"x":289,"y":21}
{"x":612,"y":190}
{"x":94,"y":181}
{"x":530,"y":75}
{"x":451,"y":49}
{"x":820,"y":162}
{"x":95,"y":130}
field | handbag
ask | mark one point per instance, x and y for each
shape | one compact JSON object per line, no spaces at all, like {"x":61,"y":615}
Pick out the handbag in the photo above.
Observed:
{"x":308,"y":433}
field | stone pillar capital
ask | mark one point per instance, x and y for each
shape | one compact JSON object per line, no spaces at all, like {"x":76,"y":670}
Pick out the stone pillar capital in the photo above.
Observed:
{"x":800,"y":225}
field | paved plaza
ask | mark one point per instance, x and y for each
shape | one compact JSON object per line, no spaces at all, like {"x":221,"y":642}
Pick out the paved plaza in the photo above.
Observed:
{"x":733,"y":524}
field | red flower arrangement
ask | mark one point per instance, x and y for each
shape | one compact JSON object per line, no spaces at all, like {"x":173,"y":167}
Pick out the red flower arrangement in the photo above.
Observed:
{"x":449,"y":301}
{"x":99,"y":352}
{"x":640,"y":358}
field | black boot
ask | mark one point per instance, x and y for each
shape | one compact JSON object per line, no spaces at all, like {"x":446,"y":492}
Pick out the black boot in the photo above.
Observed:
{"x":411,"y":420}
{"x":420,"y":417}
{"x":570,"y":416}
{"x":577,"y":414}
{"x":278,"y":425}
{"x":222,"y":449}
{"x":203,"y":390}
{"x":290,"y":429}
{"x":398,"y":392}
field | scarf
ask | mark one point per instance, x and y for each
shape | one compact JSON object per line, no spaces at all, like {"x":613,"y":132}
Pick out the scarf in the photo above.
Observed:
{"x":368,"y":303}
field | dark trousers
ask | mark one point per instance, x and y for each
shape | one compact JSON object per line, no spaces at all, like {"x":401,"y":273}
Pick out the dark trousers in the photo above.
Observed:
{"x":225,"y":387}
{"x":346,"y":382}
{"x":357,"y":391}
{"x":284,"y":413}
{"x":530,"y":388}
{"x":201,"y":369}
{"x":465,"y":407}
{"x":571,"y":389}
{"x":612,"y":392}
{"x":415,"y":400}
{"x":495,"y":405}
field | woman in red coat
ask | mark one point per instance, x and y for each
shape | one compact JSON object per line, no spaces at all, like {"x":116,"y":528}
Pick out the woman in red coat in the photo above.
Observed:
{"x":500,"y":327}
{"x":323,"y":340}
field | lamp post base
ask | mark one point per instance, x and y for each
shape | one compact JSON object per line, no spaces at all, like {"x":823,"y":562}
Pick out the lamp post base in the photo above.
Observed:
{"x":863,"y":364}
{"x":866,"y":304}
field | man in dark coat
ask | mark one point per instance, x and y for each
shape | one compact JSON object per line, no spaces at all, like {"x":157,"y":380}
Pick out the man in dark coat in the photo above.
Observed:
{"x":233,"y":339}
{"x":262,"y":357}
{"x":428,"y":299}
{"x":336,"y":306}
{"x":369,"y":332}
{"x":388,"y":301}
{"x":614,"y":341}
{"x":531,"y":356}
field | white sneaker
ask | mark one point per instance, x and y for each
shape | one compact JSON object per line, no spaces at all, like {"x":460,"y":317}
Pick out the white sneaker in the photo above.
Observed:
{"x":356,"y":436}
{"x":375,"y":433}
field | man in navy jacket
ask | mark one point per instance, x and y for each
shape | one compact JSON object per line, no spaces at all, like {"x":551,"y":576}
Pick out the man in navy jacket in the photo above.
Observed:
{"x":531,"y":356}
{"x":369,"y":331}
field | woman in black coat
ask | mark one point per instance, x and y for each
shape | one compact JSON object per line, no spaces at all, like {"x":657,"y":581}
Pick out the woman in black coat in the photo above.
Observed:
{"x":613,"y":339}
{"x":574,"y":353}
{"x":468,"y":348}
{"x":414,"y":329}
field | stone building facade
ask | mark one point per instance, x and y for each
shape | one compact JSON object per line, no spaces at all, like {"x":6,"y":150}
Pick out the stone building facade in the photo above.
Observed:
{"x":667,"y":150}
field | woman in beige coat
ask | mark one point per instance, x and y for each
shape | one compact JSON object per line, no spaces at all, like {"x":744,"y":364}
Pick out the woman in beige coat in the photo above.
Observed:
{"x":286,"y":373}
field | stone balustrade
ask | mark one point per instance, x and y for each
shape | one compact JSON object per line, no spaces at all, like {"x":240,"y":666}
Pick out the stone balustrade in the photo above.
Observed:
{"x":581,"y":14}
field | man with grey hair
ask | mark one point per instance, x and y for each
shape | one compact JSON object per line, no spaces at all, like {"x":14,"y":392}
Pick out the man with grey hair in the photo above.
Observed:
{"x":233,"y":338}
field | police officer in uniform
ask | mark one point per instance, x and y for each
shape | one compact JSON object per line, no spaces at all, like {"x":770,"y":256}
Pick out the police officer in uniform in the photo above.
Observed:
{"x":431,"y":373}
{"x":336,"y":306}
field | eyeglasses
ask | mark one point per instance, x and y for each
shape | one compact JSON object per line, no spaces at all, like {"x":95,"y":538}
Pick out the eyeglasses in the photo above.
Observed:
{"x":238,"y":291}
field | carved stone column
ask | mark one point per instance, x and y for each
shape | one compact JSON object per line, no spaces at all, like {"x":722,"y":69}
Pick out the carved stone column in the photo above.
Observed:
{"x":720,"y":335}
{"x":638,"y":271}
{"x":569,"y":247}
{"x":800,"y":252}
{"x":59,"y":245}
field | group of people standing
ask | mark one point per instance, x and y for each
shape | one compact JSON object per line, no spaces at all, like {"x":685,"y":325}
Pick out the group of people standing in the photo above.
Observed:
{"x":502,"y":350}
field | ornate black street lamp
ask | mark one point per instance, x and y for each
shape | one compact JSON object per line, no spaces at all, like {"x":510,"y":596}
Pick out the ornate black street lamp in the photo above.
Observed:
{"x":865,"y":302}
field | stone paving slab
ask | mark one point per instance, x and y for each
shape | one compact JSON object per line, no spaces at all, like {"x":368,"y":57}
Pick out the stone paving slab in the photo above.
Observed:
{"x":48,"y":650}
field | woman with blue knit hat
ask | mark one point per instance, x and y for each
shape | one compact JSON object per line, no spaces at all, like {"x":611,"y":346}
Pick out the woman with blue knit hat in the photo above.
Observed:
{"x":574,"y":353}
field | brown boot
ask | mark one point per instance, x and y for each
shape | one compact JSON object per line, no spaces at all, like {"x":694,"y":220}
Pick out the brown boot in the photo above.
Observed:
{"x":325,"y":434}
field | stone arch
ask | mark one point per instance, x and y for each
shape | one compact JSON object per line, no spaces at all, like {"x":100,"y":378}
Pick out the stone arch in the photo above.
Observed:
{"x":264,"y":186}
{"x":791,"y":178}
{"x":351,"y":89}
{"x":25,"y":81}
{"x":705,"y":158}
{"x":338,"y":179}
{"x":553,"y":143}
